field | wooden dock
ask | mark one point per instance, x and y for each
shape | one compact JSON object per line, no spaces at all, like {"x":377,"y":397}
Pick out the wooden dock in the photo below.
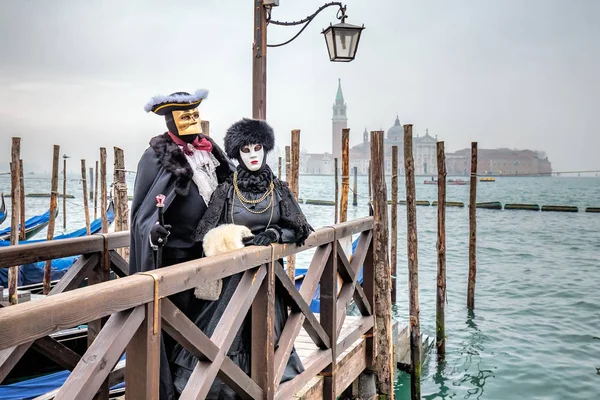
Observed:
{"x":127,"y":313}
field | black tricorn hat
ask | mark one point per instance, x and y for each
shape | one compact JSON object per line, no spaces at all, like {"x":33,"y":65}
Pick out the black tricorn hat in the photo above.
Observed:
{"x":248,"y":131}
{"x":163,"y":105}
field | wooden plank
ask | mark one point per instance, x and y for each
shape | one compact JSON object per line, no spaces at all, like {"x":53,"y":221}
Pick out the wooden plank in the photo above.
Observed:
{"x":328,"y":318}
{"x":312,"y":366}
{"x":101,"y":357}
{"x":15,"y":193}
{"x":50,"y":250}
{"x":369,"y":289}
{"x":205,"y":372}
{"x":185,"y":332}
{"x":76,"y":273}
{"x":262,"y":369}
{"x":118,"y":264}
{"x":122,"y":203}
{"x":143,"y":355}
{"x":57,"y":352}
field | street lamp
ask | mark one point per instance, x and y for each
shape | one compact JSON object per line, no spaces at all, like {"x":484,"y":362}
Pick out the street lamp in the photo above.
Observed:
{"x":341,"y":40}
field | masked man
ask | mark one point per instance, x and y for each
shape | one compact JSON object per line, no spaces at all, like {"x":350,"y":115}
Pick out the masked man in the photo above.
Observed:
{"x":186,"y":166}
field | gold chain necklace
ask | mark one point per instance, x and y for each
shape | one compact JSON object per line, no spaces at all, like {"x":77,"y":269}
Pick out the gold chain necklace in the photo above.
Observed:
{"x":243,"y":200}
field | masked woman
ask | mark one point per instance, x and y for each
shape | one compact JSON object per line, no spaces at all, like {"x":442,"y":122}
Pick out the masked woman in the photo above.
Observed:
{"x":255,"y":198}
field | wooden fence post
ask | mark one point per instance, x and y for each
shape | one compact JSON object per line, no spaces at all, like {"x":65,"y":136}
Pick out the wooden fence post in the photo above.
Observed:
{"x":279,"y":169}
{"x":345,"y":174}
{"x":383,"y":296}
{"x":96,"y":193}
{"x":328,"y":317}
{"x":355,"y":188}
{"x":103,"y":189}
{"x":413,"y":266}
{"x":122,"y":206}
{"x":64,"y":202}
{"x":52,"y":220}
{"x":336,"y":190}
{"x":205,"y":127}
{"x":22,"y":202}
{"x":292,"y":179}
{"x":440,"y":329}
{"x":92,"y":184}
{"x":394,"y":233}
{"x":85,"y":197}
{"x":15,"y":199}
{"x":472,"y":229}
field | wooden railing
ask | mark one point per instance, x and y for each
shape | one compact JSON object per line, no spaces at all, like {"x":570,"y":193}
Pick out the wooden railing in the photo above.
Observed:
{"x":128,"y":314}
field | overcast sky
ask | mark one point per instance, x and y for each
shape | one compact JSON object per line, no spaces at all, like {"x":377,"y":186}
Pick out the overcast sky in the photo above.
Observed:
{"x":505,"y":73}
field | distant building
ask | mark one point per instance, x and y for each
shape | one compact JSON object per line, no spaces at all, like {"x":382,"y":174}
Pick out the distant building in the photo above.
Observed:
{"x":499,"y":162}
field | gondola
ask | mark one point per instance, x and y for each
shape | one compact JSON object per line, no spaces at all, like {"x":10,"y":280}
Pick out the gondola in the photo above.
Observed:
{"x":2,"y":209}
{"x":32,"y":226}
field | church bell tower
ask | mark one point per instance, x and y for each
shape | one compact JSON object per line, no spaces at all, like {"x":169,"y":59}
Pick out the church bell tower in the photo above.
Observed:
{"x":339,"y":121}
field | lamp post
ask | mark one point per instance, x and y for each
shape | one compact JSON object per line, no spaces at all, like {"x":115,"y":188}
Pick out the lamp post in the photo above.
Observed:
{"x":341,"y":39}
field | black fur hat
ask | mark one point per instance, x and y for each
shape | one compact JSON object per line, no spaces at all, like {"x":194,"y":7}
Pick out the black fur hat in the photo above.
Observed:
{"x":248,"y":131}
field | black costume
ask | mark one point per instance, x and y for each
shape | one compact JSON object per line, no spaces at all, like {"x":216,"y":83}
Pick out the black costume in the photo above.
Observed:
{"x":273,"y":208}
{"x":164,"y":169}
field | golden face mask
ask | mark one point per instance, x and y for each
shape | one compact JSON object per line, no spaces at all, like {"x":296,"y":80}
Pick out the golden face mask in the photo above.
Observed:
{"x":187,"y":122}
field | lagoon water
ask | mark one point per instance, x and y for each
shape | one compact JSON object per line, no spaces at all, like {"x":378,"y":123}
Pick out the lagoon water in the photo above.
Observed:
{"x":535,"y":331}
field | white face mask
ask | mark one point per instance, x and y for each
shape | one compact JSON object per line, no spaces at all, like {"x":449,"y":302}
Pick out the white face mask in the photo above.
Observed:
{"x":252,"y":156}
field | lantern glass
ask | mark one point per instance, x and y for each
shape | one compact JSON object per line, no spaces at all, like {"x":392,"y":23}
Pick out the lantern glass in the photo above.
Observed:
{"x":342,"y":41}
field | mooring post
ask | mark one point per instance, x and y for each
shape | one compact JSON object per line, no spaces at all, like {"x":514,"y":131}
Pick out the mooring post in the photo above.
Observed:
{"x":440,"y":329}
{"x":122,"y":214}
{"x":15,"y":200}
{"x":103,"y":189}
{"x":205,"y":127}
{"x":22,"y":202}
{"x":413,"y":266}
{"x":336,"y":190}
{"x":345,"y":174}
{"x":383,"y":296}
{"x":394,"y":230}
{"x":64,"y":202}
{"x":279,"y":169}
{"x":52,"y":220}
{"x":96,"y":193}
{"x":294,"y":186}
{"x":92,"y":184}
{"x":355,"y":187}
{"x":85,"y":198}
{"x":472,"y":229}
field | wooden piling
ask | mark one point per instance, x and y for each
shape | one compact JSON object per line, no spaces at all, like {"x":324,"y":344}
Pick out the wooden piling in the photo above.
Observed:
{"x":472,"y":229}
{"x":15,"y":193}
{"x":121,"y":199}
{"x":205,"y":127}
{"x":384,"y":363}
{"x":92,"y":183}
{"x":85,"y":197}
{"x":103,"y":194}
{"x":52,"y":220}
{"x":355,"y":187}
{"x":96,"y":193}
{"x":64,"y":202}
{"x":394,"y":227}
{"x":22,"y":202}
{"x":336,"y":195}
{"x":413,"y":266}
{"x":288,"y":164}
{"x":279,"y":169}
{"x":294,"y":175}
{"x":345,"y":174}
{"x":440,"y":325}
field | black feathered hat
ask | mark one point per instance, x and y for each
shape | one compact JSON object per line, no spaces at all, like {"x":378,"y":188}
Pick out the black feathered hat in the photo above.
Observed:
{"x":248,"y":131}
{"x":163,"y":105}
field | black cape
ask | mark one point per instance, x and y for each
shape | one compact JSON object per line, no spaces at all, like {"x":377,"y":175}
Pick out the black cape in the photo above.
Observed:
{"x":164,"y":169}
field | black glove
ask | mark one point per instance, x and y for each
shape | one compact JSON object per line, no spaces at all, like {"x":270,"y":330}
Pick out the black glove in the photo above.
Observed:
{"x":159,"y":234}
{"x":264,"y":238}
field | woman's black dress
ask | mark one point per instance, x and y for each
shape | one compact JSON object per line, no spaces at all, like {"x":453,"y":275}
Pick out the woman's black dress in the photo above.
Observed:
{"x":225,"y":207}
